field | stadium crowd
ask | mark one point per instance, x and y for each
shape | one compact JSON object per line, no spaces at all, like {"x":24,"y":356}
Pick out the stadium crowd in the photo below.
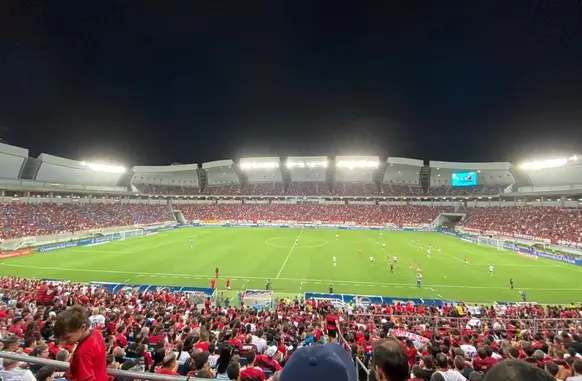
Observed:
{"x":22,"y":219}
{"x":318,"y":188}
{"x":548,"y":223}
{"x":172,"y":334}
{"x":399,"y":215}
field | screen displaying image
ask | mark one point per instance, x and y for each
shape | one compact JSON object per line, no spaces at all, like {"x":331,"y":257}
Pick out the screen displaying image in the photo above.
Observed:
{"x":464,"y":179}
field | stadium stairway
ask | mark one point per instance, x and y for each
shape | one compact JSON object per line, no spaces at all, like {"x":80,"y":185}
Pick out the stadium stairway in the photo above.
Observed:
{"x":202,"y":179}
{"x":379,"y":176}
{"x":424,"y":178}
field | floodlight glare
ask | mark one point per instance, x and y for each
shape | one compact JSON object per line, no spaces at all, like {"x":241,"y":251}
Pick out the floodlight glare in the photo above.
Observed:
{"x":104,"y":167}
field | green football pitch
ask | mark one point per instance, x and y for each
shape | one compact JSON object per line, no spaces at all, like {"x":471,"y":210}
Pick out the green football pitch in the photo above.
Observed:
{"x":248,"y":256}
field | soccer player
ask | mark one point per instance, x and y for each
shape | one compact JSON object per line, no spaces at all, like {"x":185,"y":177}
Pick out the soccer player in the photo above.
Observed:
{"x":216,"y":272}
{"x":228,"y":284}
{"x":331,"y":288}
{"x":511,"y":283}
{"x":391,"y":267}
{"x":337,"y":236}
{"x":384,"y":245}
{"x":334,"y":261}
{"x":268,"y":284}
{"x":410,"y":267}
{"x":428,"y":252}
{"x":466,"y":261}
{"x":191,"y":243}
{"x":395,"y":259}
{"x":523,"y":296}
{"x":491,"y":270}
{"x":360,"y":250}
{"x":418,"y":269}
{"x":212,"y":283}
{"x":371,"y":259}
{"x":388,"y":258}
{"x":418,"y":280}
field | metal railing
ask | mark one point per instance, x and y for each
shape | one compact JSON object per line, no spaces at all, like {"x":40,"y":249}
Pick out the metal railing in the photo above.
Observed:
{"x":112,"y":372}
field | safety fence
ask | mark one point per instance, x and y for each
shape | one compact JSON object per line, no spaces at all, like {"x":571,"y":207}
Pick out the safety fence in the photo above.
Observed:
{"x":129,"y":375}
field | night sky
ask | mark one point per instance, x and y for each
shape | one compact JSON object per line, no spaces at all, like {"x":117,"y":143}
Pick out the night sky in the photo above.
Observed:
{"x":160,"y":82}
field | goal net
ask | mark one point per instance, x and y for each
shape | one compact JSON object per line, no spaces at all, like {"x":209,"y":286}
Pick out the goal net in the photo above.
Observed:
{"x":489,"y":241}
{"x":262,"y":298}
{"x":138,"y":232}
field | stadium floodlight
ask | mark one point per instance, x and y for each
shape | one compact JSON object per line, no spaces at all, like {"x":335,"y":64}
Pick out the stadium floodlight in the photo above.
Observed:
{"x":351,"y":164}
{"x":550,"y":163}
{"x":260,"y":165}
{"x":103,"y":167}
{"x":306,"y":164}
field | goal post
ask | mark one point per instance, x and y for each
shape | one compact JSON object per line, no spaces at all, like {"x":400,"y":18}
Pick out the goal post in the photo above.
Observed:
{"x":484,"y":240}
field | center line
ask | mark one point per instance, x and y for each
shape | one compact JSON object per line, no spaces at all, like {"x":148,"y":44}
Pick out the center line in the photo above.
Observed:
{"x":289,"y":254}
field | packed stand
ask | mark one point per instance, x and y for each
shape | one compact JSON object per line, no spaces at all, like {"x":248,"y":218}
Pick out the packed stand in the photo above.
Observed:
{"x":543,"y":222}
{"x":222,"y":190}
{"x":399,"y":215}
{"x":355,"y":189}
{"x":263,"y":189}
{"x":395,"y":190}
{"x":480,"y":190}
{"x":23,"y":220}
{"x":307,"y":188}
{"x":177,"y":335}
{"x":150,"y":189}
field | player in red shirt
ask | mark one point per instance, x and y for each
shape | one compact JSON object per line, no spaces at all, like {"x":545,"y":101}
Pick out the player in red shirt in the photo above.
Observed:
{"x":216,"y":272}
{"x":89,"y":360}
{"x":228,"y":284}
{"x":212,"y":283}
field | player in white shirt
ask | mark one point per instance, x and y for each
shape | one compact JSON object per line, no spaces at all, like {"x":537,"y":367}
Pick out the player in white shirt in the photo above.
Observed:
{"x":334,"y":261}
{"x":491,"y":270}
{"x":384,"y":245}
{"x":371,"y":259}
{"x":337,"y":236}
{"x":428,"y":252}
{"x":395,"y":259}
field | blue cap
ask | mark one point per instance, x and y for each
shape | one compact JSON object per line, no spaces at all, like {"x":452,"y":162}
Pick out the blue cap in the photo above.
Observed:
{"x":320,"y":363}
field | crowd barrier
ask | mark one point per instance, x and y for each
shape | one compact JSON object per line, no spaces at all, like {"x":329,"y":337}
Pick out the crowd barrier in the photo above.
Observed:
{"x":128,"y":375}
{"x":364,"y":301}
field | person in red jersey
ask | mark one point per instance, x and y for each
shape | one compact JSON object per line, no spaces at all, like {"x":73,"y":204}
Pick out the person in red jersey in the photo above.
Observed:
{"x":228,"y":284}
{"x":216,"y":272}
{"x":252,"y":372}
{"x":482,"y":363}
{"x":331,"y":321}
{"x":89,"y":360}
{"x":212,"y":283}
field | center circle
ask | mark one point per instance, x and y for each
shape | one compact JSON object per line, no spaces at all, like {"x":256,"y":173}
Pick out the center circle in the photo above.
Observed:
{"x":287,"y":242}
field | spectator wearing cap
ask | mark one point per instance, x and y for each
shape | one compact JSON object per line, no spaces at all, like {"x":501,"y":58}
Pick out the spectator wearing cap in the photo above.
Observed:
{"x":320,"y":363}
{"x":517,"y":370}
{"x":267,"y":361}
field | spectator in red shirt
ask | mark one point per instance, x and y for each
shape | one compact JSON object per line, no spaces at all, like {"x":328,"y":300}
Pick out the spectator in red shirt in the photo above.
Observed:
{"x":89,"y":361}
{"x":252,"y":372}
{"x":482,"y":363}
{"x":411,"y":352}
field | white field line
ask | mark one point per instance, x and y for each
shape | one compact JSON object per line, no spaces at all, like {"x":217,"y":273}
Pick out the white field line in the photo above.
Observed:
{"x":145,"y":274}
{"x":289,"y":254}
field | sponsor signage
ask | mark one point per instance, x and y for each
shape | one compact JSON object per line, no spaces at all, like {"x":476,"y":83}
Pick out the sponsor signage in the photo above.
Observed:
{"x":16,"y":253}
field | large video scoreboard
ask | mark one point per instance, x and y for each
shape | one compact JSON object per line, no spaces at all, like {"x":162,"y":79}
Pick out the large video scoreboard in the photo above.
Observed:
{"x":464,"y":179}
